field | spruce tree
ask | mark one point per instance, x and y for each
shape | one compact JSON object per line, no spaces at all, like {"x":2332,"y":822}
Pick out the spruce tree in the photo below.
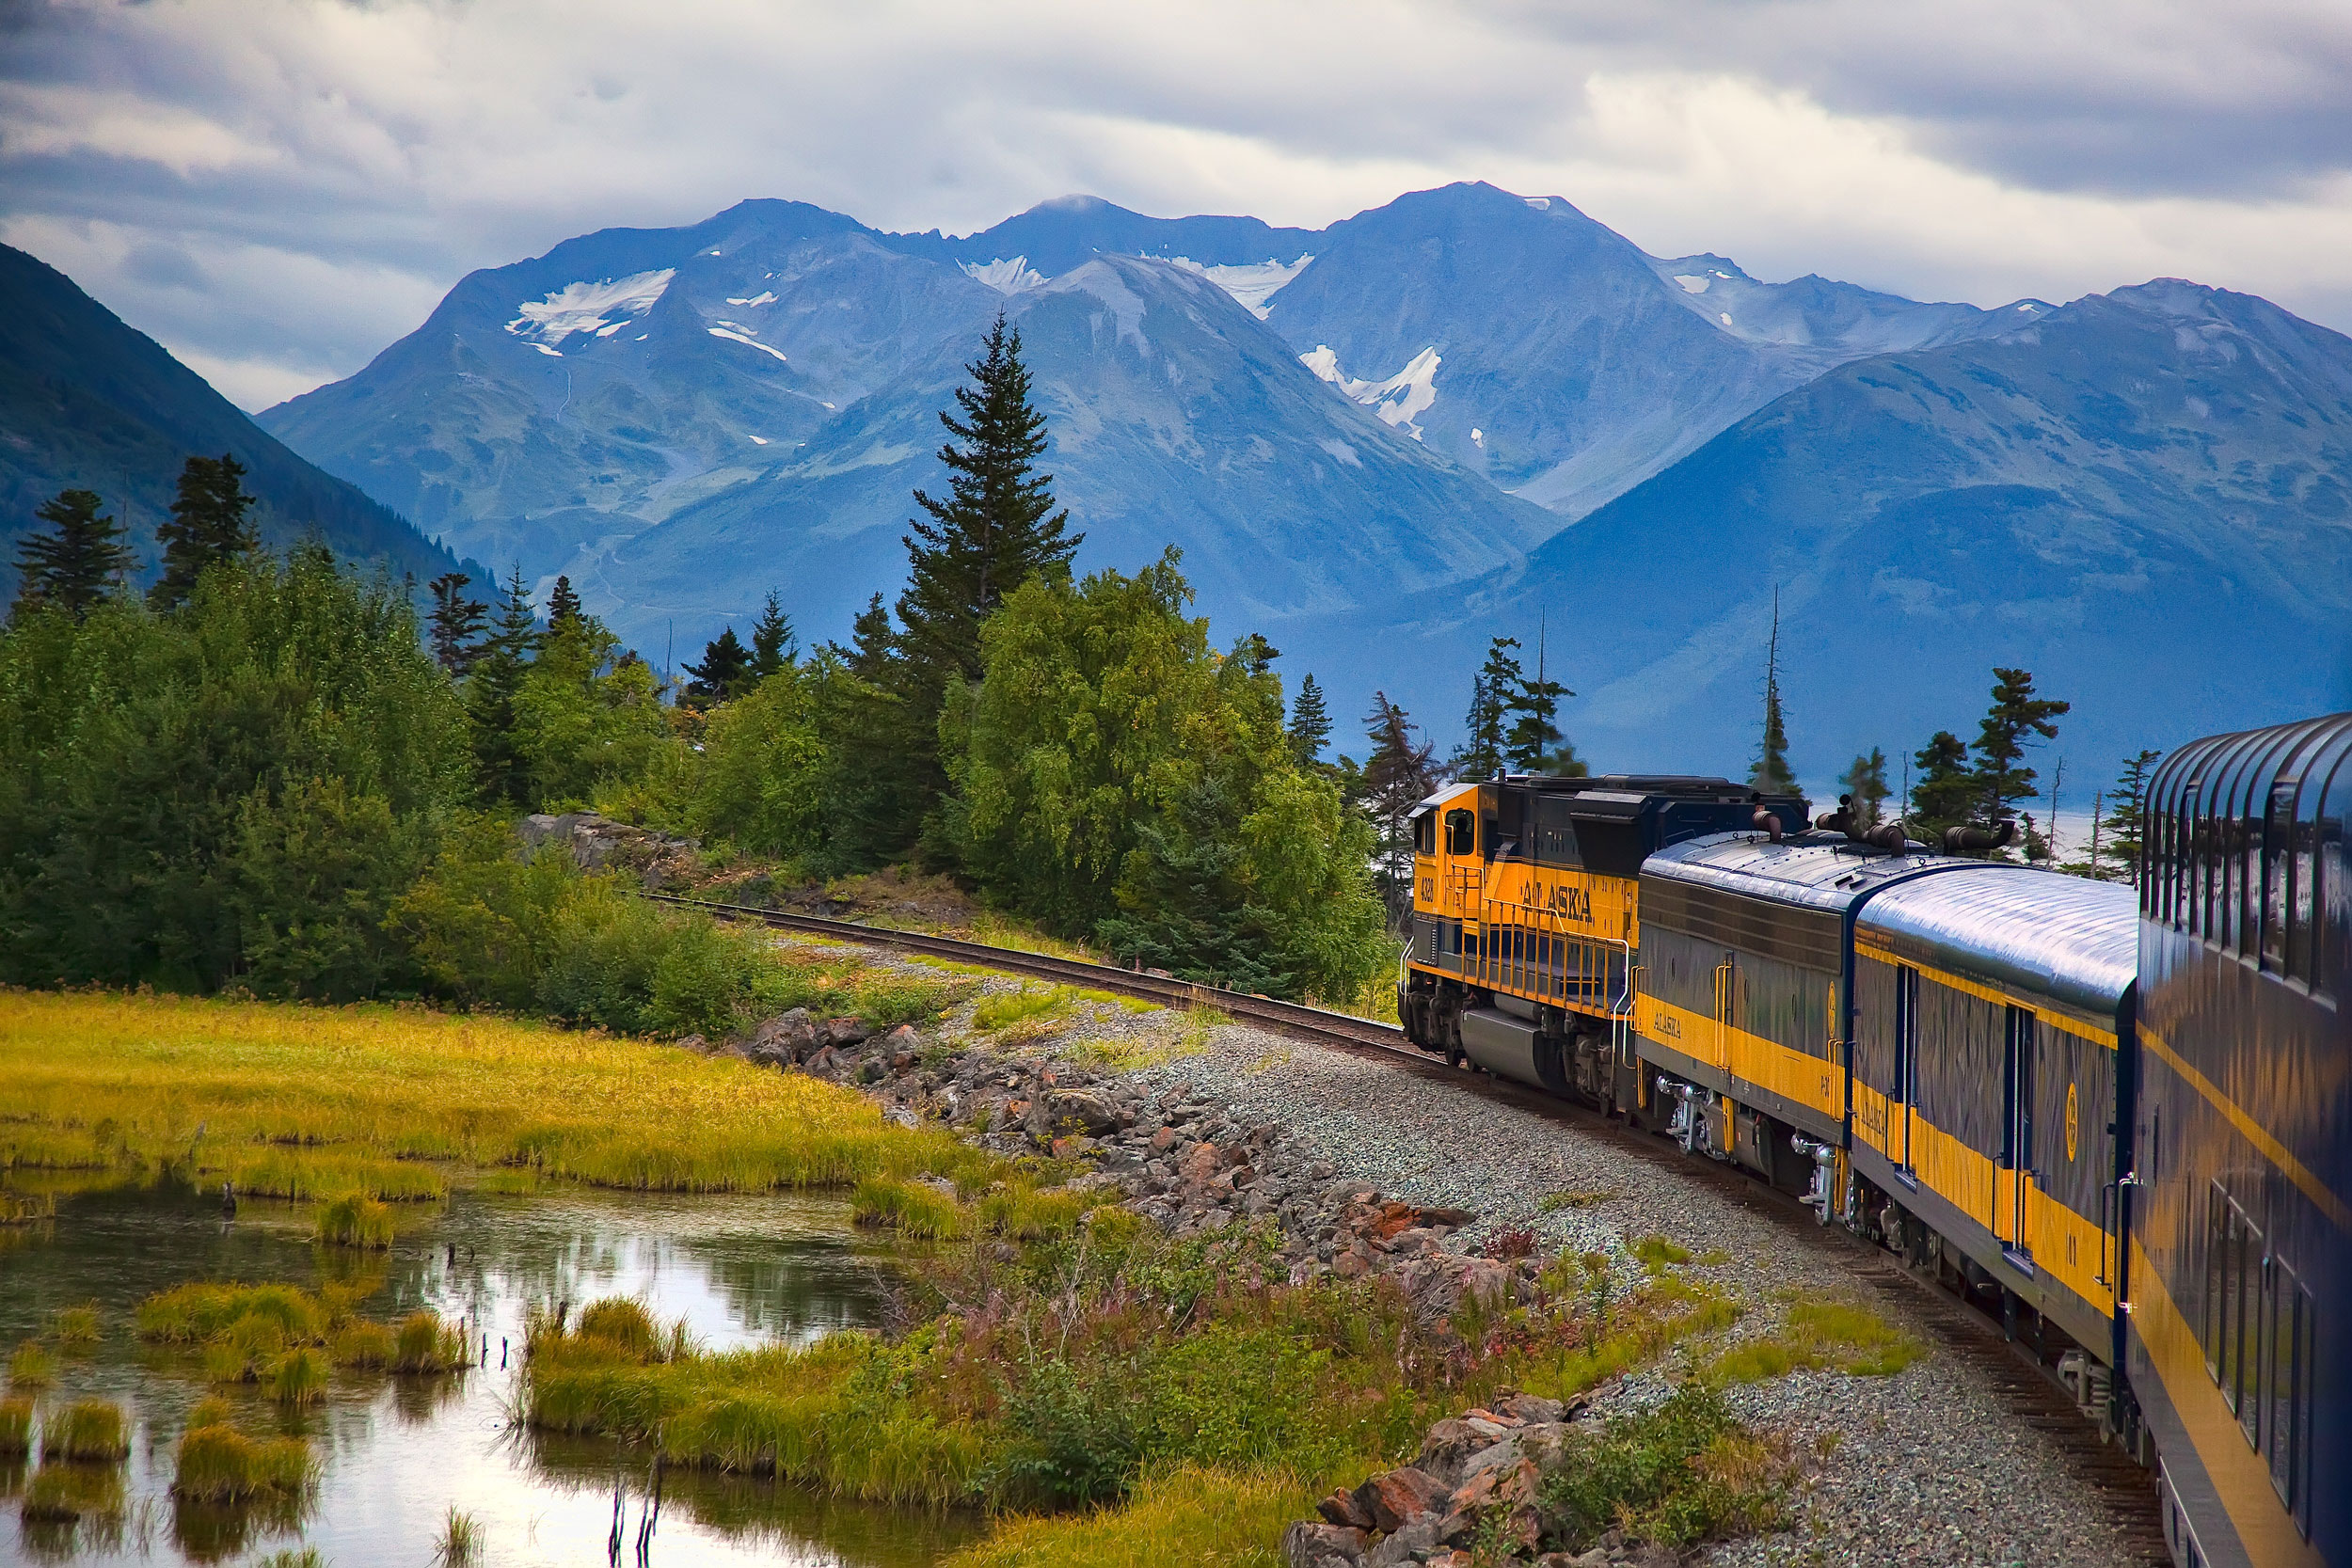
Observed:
{"x":77,"y":565}
{"x":1771,"y":775}
{"x":207,"y":525}
{"x":724,"y":672}
{"x":1532,"y":743}
{"x":1946,"y":790}
{"x":501,"y":663}
{"x":1865,"y":780}
{"x":562,"y":606}
{"x":774,"y":645}
{"x":2011,"y":724}
{"x":456,"y":622}
{"x":2127,"y":824}
{"x":1310,"y":727}
{"x":1397,"y":777}
{"x":1487,"y":723}
{"x":996,"y":527}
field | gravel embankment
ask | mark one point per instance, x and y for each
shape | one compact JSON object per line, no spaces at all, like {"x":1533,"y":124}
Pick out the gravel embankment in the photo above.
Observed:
{"x":1928,"y":1466}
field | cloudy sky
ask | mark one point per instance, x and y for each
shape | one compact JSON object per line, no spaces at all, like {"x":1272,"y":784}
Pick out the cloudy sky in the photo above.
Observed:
{"x":277,"y":189}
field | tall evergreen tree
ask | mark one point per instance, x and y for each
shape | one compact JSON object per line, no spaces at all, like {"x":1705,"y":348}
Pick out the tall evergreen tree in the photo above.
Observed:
{"x":207,"y":525}
{"x":1256,"y":653}
{"x":502,"y":766}
{"x":456,"y":624}
{"x":2016,"y":718}
{"x":1309,"y":728}
{"x":996,"y":527}
{"x":562,"y":606}
{"x":1945,"y":792}
{"x":78,"y":564}
{"x":1772,"y":774}
{"x":724,"y":672}
{"x":2127,"y":824}
{"x":873,"y":651}
{"x":1865,"y":780}
{"x":1533,"y":742}
{"x":1486,"y":726}
{"x":1397,"y":777}
{"x":774,"y":645}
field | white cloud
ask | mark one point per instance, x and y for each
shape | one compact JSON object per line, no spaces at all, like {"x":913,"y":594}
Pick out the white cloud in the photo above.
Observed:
{"x":329,"y":169}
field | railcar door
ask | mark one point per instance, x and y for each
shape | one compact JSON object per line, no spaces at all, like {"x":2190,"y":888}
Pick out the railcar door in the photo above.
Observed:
{"x":1726,"y":1007}
{"x":2019,"y":1139}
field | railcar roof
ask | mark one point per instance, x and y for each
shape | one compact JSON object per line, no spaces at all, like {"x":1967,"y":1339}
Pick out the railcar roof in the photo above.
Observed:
{"x":1816,"y":871}
{"x":2073,"y":941}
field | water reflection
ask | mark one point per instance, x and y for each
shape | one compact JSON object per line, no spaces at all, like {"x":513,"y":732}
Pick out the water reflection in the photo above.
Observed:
{"x":397,"y":1452}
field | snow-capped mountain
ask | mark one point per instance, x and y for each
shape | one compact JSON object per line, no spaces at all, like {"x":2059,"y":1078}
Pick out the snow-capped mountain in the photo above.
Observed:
{"x":1463,"y":412}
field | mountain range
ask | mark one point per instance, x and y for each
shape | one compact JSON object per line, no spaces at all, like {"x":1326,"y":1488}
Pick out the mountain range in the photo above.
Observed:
{"x":1463,"y":414}
{"x":87,"y":403}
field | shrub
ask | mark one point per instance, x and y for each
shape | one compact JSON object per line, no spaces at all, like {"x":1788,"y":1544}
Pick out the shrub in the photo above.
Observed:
{"x":87,"y":1430}
{"x":1077,"y":1437}
{"x":220,"y":1464}
{"x":1676,"y":1476}
{"x":297,"y":1378}
{"x":910,"y":1208}
{"x":353,"y":1220}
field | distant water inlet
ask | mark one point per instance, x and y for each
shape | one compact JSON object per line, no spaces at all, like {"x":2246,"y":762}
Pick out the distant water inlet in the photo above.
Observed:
{"x":123,"y":1447}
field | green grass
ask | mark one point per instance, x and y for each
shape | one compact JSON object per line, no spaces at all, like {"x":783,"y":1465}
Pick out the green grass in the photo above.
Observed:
{"x":1819,"y":1335}
{"x":353,"y":1220}
{"x":203,"y":1311}
{"x":16,"y":1426}
{"x":911,"y":1207}
{"x":1554,"y":1202}
{"x":1006,"y":1008}
{"x":33,"y":1366}
{"x":1682,"y":1473}
{"x":86,"y":1430}
{"x":362,"y":1346}
{"x":62,"y":1494}
{"x":220,"y":1464}
{"x":77,"y":1326}
{"x":424,"y":1344}
{"x":297,"y":1378}
{"x":623,"y":1325}
{"x":1656,"y":1254}
{"x":460,"y":1543}
{"x":1192,"y":1515}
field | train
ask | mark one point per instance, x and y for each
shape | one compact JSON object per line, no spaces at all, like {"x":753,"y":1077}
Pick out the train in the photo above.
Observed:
{"x":2118,"y":1116}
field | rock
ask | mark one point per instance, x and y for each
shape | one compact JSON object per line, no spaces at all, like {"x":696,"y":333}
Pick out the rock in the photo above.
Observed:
{"x":1494,"y":1455}
{"x":846,"y":1031}
{"x":1532,"y":1407}
{"x":1505,"y":1489}
{"x":1084,"y":1110}
{"x":1199,"y":1162}
{"x":1341,"y":1507}
{"x":1396,"y":1498}
{"x":1164,"y":1140}
{"x":785,"y":1039}
{"x":1415,"y":1540}
{"x":695,"y":1042}
{"x":1307,"y":1545}
{"x":1446,"y":1448}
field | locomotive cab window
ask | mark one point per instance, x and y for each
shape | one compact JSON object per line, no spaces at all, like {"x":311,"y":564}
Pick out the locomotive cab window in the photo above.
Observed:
{"x":1461,"y":833}
{"x":1425,"y":831}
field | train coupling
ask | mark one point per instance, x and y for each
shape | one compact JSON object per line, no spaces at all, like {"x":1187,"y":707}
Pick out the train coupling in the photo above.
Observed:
{"x":1821,"y":1196}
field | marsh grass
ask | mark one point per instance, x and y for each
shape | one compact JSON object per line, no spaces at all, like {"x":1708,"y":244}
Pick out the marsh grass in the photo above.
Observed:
{"x":299,"y":1174}
{"x":64,"y":1494}
{"x":460,"y":1542}
{"x":911,"y":1207}
{"x":362,"y":1347}
{"x":297,"y":1378}
{"x":1819,"y":1335}
{"x":212,"y":1410}
{"x":425,"y":1343}
{"x":220,"y":1464}
{"x":34,"y":1365}
{"x":86,"y":1432}
{"x":353,"y":1220}
{"x":1191,"y":1514}
{"x":267,"y":1316}
{"x":407,"y":1094}
{"x":16,"y":1426}
{"x":77,"y":1327}
{"x":623,"y":1325}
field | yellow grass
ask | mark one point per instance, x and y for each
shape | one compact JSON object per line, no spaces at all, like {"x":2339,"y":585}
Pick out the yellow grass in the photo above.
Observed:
{"x":372,"y":1091}
{"x":1193,"y":1516}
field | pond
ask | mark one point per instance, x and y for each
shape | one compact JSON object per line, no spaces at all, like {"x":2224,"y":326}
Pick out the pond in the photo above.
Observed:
{"x":398,"y":1453}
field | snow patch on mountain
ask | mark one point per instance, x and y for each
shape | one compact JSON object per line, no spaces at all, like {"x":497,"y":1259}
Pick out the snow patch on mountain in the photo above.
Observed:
{"x":1004,"y":276}
{"x":1399,"y":402}
{"x":586,"y":306}
{"x":1253,"y":285}
{"x":765,"y":296}
{"x":746,"y":342}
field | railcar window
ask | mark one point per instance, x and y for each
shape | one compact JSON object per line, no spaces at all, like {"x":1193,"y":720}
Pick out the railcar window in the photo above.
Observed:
{"x":2332,"y":894}
{"x":1461,"y":833}
{"x":2278,"y":875}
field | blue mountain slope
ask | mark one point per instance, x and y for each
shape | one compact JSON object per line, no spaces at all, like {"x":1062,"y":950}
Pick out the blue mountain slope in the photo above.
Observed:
{"x":1065,"y":233}
{"x":87,"y":401}
{"x":2142,"y":497}
{"x":1176,"y":418}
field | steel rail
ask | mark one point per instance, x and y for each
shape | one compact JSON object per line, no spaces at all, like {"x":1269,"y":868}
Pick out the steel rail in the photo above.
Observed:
{"x":1291,"y":1019}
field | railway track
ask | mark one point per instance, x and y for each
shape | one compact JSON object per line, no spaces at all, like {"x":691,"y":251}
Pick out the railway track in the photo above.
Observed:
{"x":2017,"y":1377}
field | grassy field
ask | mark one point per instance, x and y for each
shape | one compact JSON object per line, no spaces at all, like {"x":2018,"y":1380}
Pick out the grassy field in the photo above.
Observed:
{"x":392,"y":1102}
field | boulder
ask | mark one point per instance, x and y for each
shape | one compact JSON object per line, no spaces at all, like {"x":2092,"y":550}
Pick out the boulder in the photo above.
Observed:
{"x":1507,"y":1490}
{"x":1395,"y":1499}
{"x":785,"y":1039}
{"x":1341,"y":1507}
{"x":1532,"y":1407}
{"x":1307,"y":1545}
{"x":1085,"y":1111}
{"x":846,"y":1031}
{"x":1414,"y":1542}
{"x":1446,"y":1450}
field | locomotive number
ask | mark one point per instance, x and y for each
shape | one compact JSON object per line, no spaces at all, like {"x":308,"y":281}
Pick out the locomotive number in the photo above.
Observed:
{"x":1573,"y":903}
